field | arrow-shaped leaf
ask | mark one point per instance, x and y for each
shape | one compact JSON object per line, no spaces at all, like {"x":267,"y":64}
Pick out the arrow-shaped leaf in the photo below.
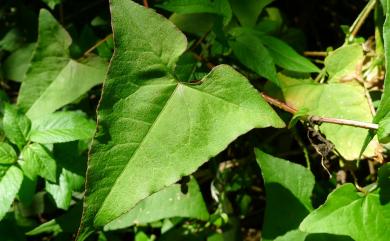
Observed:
{"x":153,"y":129}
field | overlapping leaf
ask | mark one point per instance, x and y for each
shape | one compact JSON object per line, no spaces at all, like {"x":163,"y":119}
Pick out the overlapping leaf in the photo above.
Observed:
{"x":338,"y":100}
{"x":152,"y":128}
{"x":343,"y":63}
{"x":53,"y":79}
{"x":178,"y":204}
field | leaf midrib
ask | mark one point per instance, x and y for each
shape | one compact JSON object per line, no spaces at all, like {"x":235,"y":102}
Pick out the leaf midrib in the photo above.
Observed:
{"x":138,"y":148}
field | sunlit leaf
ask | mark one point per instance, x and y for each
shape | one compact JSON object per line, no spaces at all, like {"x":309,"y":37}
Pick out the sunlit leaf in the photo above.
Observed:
{"x":348,"y":212}
{"x":62,"y":127}
{"x":9,"y":186}
{"x":152,"y":128}
{"x":37,"y":161}
{"x":337,"y":100}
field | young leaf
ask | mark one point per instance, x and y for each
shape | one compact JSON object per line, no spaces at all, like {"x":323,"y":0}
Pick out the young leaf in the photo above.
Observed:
{"x":62,"y":127}
{"x":9,"y":185}
{"x":347,"y":212}
{"x":51,"y":54}
{"x":247,"y":11}
{"x":152,"y":128}
{"x":285,"y":182}
{"x":286,"y":57}
{"x":16,"y":125}
{"x":75,"y":79}
{"x":337,"y":100}
{"x":62,"y":192}
{"x":38,"y":161}
{"x":343,"y":62}
{"x":7,"y":154}
{"x":178,"y":204}
{"x":251,"y":52}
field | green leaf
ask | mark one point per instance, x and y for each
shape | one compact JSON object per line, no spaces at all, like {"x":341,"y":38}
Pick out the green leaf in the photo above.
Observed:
{"x":348,"y":212}
{"x":72,"y":172}
{"x":285,"y":183}
{"x":286,"y":57}
{"x":383,"y":131}
{"x":189,"y":6}
{"x":337,"y":100}
{"x":251,"y":52}
{"x":51,"y":55}
{"x":384,"y":183}
{"x":16,"y":65}
{"x":53,"y":79}
{"x":247,"y":11}
{"x":196,"y":23}
{"x":185,"y":67}
{"x":294,"y":235}
{"x":220,"y":7}
{"x":62,"y":127}
{"x":16,"y":125}
{"x":12,"y":40}
{"x":52,"y":3}
{"x":62,"y":192}
{"x":152,"y":128}
{"x":7,"y":154}
{"x":300,"y":114}
{"x":384,"y":106}
{"x":9,"y":186}
{"x":141,"y":236}
{"x":27,"y":190}
{"x":342,"y":63}
{"x":67,"y":223}
{"x":38,"y":161}
{"x":297,"y":235}
{"x":178,"y":204}
{"x":73,"y":81}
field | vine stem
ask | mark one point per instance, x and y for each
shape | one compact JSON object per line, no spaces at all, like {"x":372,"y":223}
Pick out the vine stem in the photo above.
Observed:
{"x":97,"y":44}
{"x":320,"y":119}
{"x":146,"y":4}
{"x":315,"y":53}
{"x":355,"y":27}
